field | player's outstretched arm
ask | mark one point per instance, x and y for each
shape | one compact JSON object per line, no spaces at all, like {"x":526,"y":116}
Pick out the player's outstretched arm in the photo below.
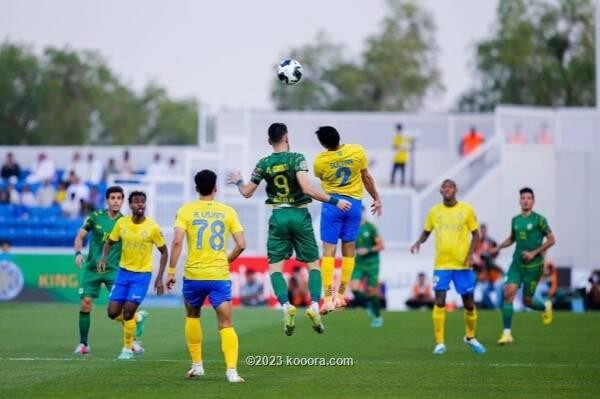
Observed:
{"x":176,"y":248}
{"x":78,"y":246}
{"x":318,"y":195}
{"x":105,"y":251}
{"x":504,"y":244}
{"x":240,"y":246}
{"x":369,"y":184}
{"x":164,"y":256}
{"x":417,"y":245}
{"x":247,"y":190}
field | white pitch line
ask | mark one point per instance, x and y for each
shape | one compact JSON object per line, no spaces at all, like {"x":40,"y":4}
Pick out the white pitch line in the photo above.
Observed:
{"x":357,"y":362}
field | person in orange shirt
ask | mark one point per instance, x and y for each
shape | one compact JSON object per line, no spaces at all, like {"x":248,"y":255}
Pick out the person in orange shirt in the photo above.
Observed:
{"x":471,"y":141}
{"x":421,"y":293}
{"x":518,"y":136}
{"x":544,"y":136}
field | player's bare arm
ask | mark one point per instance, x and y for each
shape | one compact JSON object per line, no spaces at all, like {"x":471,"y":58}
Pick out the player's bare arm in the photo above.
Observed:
{"x":417,"y":245}
{"x":240,"y":246}
{"x":474,"y":243}
{"x":527,"y":256}
{"x":176,"y":248}
{"x":247,"y":190}
{"x":318,"y":195}
{"x":158,"y":283}
{"x":105,"y":251}
{"x":378,"y":247}
{"x":78,"y":246}
{"x":504,"y":244}
{"x":369,"y":184}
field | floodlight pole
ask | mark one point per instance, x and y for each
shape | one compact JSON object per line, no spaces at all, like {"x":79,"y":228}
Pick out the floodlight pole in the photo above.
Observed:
{"x":597,"y":55}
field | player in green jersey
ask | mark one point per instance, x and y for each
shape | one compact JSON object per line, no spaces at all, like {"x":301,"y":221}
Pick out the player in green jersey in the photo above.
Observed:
{"x":368,"y":245}
{"x":290,"y":226}
{"x":98,"y":226}
{"x":527,"y":230}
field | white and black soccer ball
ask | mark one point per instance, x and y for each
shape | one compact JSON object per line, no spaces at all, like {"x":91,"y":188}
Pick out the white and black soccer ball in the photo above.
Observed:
{"x":289,"y":71}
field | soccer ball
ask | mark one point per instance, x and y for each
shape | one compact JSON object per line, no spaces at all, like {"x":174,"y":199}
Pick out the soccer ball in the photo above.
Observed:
{"x":289,"y":71}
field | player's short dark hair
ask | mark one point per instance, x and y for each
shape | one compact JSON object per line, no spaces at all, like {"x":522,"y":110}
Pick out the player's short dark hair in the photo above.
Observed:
{"x":136,"y":194}
{"x":328,"y":137}
{"x":276,"y":132}
{"x":449,"y":181}
{"x":205,"y":180}
{"x":399,"y":126}
{"x":114,"y":189}
{"x":526,"y":190}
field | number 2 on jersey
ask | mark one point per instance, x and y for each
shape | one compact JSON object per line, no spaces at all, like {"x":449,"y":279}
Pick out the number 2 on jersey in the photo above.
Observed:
{"x":344,"y":174}
{"x":217,"y":229}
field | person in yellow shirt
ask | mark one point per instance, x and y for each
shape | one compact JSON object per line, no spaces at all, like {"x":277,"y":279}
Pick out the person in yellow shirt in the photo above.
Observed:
{"x":138,"y":234}
{"x":456,"y":237}
{"x":343,"y":171}
{"x":401,"y":145}
{"x":206,"y":226}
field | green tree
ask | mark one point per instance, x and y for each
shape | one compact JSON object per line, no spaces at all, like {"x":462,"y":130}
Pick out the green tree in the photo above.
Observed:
{"x":396,"y":72}
{"x":541,"y":54}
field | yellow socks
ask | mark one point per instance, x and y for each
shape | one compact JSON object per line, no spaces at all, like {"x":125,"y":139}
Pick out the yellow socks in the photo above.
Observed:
{"x":229,"y":345}
{"x":128,"y":333}
{"x":439,"y":319}
{"x":327,"y":267}
{"x":470,"y":322}
{"x":193,"y":336}
{"x":347,"y":268}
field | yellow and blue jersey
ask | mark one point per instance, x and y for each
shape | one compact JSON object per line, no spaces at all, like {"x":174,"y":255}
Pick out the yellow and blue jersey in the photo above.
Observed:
{"x":207,"y":225}
{"x":340,"y":170}
{"x":137,"y":241}
{"x":452,"y":226}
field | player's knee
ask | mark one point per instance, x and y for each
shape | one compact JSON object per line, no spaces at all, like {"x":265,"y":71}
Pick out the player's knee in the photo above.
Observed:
{"x":86,"y":305}
{"x":372,"y":291}
{"x":440,"y":303}
{"x":528,"y":301}
{"x":225,"y":323}
{"x":113,"y":313}
{"x":128,"y":314}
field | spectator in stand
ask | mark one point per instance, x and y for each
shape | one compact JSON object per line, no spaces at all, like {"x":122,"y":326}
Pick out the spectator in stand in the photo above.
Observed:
{"x":5,"y":252}
{"x":45,"y":194}
{"x":61,"y":193}
{"x":471,"y":141}
{"x":96,"y":200}
{"x":298,"y":288}
{"x":421,"y":294}
{"x":402,"y":147}
{"x":593,"y":293}
{"x":126,"y":164}
{"x":78,"y":189}
{"x":252,"y":292}
{"x":95,"y":170}
{"x":517,"y":137}
{"x":544,"y":136}
{"x":42,"y":169}
{"x":14,"y":198}
{"x":157,"y":167}
{"x":71,"y":207}
{"x":4,"y":196}
{"x":10,"y":168}
{"x":27,"y":197}
{"x":172,"y":167}
{"x":111,"y":169}
{"x":76,"y":166}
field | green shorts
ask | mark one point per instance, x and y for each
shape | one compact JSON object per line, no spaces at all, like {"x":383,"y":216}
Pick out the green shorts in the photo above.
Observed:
{"x":91,"y":281}
{"x":371,"y":272}
{"x":527,"y":275}
{"x":291,"y":229}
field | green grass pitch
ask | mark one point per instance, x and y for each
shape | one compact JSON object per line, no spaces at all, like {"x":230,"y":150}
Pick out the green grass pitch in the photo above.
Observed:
{"x":558,"y":361}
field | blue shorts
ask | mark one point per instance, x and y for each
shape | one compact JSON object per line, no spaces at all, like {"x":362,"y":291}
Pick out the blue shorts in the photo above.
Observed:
{"x":130,"y":286}
{"x":196,"y":291}
{"x":338,"y":225}
{"x":464,"y":280}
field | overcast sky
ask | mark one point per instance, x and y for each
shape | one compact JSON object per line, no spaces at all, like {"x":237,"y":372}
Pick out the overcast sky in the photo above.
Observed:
{"x":222,"y":52}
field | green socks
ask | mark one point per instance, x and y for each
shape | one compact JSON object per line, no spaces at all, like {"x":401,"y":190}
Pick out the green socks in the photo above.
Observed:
{"x":314,"y":284}
{"x":375,"y":304}
{"x":280,"y":287}
{"x":84,"y":327}
{"x":507,"y":314}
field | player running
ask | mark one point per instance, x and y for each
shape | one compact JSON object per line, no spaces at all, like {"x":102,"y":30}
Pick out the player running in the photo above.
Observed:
{"x":343,"y":171}
{"x":290,"y":226}
{"x":528,"y":230}
{"x":456,"y":236}
{"x":206,"y":224}
{"x":368,"y":245}
{"x":137,"y":234}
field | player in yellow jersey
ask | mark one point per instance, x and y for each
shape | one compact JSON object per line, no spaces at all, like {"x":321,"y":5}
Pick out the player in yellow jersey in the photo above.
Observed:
{"x":138,"y":234}
{"x":207,"y":224}
{"x":343,"y":171}
{"x":456,"y":236}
